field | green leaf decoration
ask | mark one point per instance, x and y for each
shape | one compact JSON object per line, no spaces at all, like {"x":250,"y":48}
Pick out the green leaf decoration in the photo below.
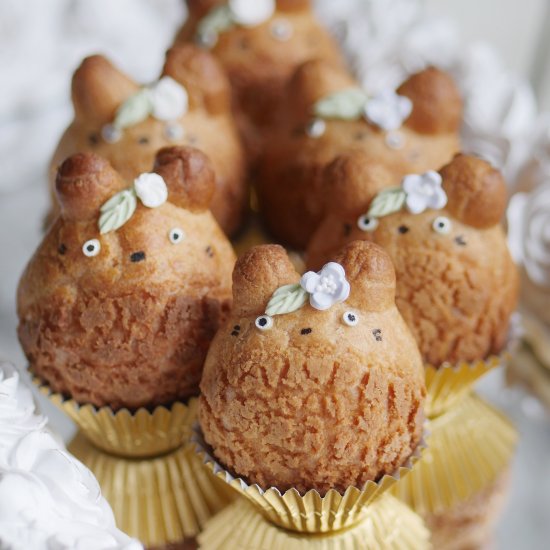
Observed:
{"x":117,"y":211}
{"x":135,"y":109}
{"x":387,"y":202}
{"x":286,"y":299}
{"x":216,"y":21}
{"x":345,"y":105}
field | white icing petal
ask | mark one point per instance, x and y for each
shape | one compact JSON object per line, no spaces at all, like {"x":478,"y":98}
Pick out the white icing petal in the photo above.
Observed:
{"x":250,"y":13}
{"x":169,"y":98}
{"x":327,"y":287}
{"x":388,"y":110}
{"x":151,"y":189}
{"x":424,"y":191}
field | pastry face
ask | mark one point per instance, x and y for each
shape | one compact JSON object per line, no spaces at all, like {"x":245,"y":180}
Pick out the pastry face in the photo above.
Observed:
{"x":306,"y":397}
{"x":189,"y":104}
{"x":119,"y":303}
{"x":456,"y":282}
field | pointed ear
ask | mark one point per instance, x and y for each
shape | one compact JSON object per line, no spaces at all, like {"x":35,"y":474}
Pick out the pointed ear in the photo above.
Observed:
{"x":293,"y":5}
{"x":257,"y":275}
{"x":352,"y":180}
{"x":84,"y":182}
{"x":312,"y":81}
{"x":98,"y":89}
{"x":371,"y":276}
{"x":476,"y":192}
{"x":437,"y":104}
{"x":189,"y":175}
{"x":201,"y":75}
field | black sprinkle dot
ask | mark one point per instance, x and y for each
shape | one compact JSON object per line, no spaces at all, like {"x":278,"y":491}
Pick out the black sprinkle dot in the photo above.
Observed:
{"x":143,"y":140}
{"x":306,"y":331}
{"x":62,"y":249}
{"x":137,"y":257}
{"x":93,"y":139}
{"x":403,"y":229}
{"x":237,"y":327}
{"x":347,"y":229}
{"x":460,"y":240}
{"x":235,"y":333}
{"x":209,"y":252}
{"x":377,"y":333}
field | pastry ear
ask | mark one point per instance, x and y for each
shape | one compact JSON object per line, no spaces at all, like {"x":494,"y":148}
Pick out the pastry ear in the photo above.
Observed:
{"x":476,"y":192}
{"x":352,"y":180}
{"x":84,"y":182}
{"x":201,"y":75}
{"x":437,"y":104}
{"x":98,"y":89}
{"x":189,"y":176}
{"x":293,"y":5}
{"x":257,"y":275}
{"x":371,"y":275}
{"x":312,"y":81}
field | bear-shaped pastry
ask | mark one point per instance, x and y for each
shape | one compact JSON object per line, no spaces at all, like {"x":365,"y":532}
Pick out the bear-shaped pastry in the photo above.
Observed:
{"x":127,"y":123}
{"x":120,"y":301}
{"x":313,"y":382}
{"x":411,"y":130}
{"x":259,"y":43}
{"x":456,"y":282}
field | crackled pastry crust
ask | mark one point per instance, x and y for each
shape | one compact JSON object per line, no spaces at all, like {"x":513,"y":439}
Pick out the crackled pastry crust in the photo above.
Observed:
{"x":98,"y":90}
{"x":313,"y":403}
{"x":289,"y":183}
{"x":457,"y":291}
{"x":122,"y":328}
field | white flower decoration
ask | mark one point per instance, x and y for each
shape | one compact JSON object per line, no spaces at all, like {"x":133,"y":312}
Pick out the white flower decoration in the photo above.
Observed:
{"x":388,"y":110}
{"x":169,"y":99}
{"x":151,"y":190}
{"x":326,"y":288}
{"x":424,"y":191}
{"x":250,"y":13}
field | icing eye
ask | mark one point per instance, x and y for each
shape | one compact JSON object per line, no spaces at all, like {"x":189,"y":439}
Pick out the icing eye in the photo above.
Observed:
{"x":281,"y":30}
{"x":91,"y":248}
{"x":350,"y":318}
{"x":110,"y":133}
{"x":264,"y":322}
{"x":442,"y":225}
{"x":176,"y":235}
{"x":316,"y":128}
{"x":366,"y":223}
{"x":174,"y":131}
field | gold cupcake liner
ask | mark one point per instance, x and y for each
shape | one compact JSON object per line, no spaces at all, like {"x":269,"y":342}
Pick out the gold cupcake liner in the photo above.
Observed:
{"x":387,"y":525}
{"x":161,"y":500}
{"x":311,"y":512}
{"x":142,"y":433}
{"x":468,"y":448}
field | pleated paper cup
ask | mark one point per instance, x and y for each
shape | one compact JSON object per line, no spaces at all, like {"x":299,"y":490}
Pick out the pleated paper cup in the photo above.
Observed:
{"x":160,"y":500}
{"x":310,"y":512}
{"x":142,"y":433}
{"x":468,"y":448}
{"x":387,"y":525}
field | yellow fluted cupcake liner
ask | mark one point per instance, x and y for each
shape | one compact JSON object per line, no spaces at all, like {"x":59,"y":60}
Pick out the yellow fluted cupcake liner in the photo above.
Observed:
{"x":311,"y":512}
{"x":159,"y":500}
{"x":141,"y":433}
{"x":468,"y":447}
{"x":387,"y":525}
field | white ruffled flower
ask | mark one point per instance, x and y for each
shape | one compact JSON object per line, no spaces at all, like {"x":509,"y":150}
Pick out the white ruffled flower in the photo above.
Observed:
{"x":250,"y":13}
{"x":327,"y":287}
{"x":388,"y":110}
{"x":169,"y":99}
{"x":151,"y":189}
{"x":424,"y":191}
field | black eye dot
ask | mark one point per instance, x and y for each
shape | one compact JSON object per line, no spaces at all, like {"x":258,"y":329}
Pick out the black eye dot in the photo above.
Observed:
{"x":347,"y":229}
{"x":237,"y":327}
{"x":377,"y":333}
{"x":236,"y":330}
{"x":306,"y":331}
{"x":93,"y":139}
{"x":351,"y":317}
{"x":62,"y":249}
{"x":143,"y":140}
{"x":90,"y":248}
{"x":262,"y":321}
{"x":137,"y":257}
{"x":403,"y":229}
{"x":209,"y":252}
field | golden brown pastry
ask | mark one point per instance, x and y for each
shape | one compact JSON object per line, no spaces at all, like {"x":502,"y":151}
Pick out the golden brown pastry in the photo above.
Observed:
{"x":259,"y":43}
{"x":411,"y":130}
{"x":456,"y":282}
{"x":121,"y":300}
{"x":316,"y":385}
{"x":127,"y":123}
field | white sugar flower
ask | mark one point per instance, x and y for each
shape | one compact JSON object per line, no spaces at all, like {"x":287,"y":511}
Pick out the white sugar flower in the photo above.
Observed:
{"x":250,"y":13}
{"x":169,"y":99}
{"x":151,"y":190}
{"x":424,"y":191}
{"x":327,"y":287}
{"x":388,"y":110}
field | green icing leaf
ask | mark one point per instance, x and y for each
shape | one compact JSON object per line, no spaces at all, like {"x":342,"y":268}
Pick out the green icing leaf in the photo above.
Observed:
{"x":387,"y":202}
{"x":117,"y":211}
{"x":345,"y":105}
{"x":135,"y":109}
{"x":218,"y":20}
{"x":286,"y":299}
